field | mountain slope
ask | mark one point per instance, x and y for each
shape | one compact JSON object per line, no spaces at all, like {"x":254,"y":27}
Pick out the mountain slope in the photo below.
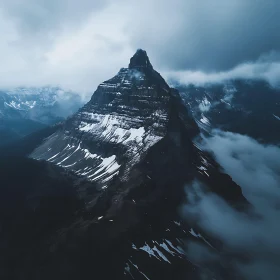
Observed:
{"x":130,"y":154}
{"x":126,"y":116}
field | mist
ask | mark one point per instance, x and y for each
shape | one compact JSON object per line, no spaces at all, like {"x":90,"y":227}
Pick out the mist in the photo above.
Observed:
{"x":262,"y":69}
{"x":253,"y":235}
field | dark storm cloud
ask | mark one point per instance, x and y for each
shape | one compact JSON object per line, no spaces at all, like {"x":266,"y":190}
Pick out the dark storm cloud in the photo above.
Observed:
{"x":208,"y":35}
{"x":39,"y":16}
{"x":73,"y":44}
{"x":80,"y":44}
{"x":256,"y":168}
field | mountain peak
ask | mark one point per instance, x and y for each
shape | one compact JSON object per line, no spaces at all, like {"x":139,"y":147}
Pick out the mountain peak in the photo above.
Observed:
{"x":140,"y":61}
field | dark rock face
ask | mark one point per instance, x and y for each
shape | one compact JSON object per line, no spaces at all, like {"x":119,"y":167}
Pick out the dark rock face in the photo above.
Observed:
{"x":140,"y":61}
{"x":131,"y":150}
{"x":125,"y":117}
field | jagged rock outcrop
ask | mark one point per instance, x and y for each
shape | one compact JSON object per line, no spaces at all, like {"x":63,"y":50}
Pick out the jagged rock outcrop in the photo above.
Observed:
{"x":125,"y":117}
{"x":133,"y":141}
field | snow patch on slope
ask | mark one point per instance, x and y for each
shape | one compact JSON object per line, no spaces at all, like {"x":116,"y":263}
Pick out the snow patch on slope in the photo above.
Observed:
{"x":205,"y":105}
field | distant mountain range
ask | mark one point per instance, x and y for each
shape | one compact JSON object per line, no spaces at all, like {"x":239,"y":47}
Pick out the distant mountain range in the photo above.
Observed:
{"x":25,"y":110}
{"x":247,"y":107}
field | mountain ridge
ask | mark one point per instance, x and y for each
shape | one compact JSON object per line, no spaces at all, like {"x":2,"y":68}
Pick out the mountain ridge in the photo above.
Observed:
{"x":28,"y":109}
{"x":130,"y":110}
{"x":130,"y":155}
{"x":241,"y":106}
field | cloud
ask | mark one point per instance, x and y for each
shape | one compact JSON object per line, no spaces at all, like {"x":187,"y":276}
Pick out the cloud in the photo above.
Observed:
{"x":254,"y":235}
{"x":263,"y":69}
{"x":39,"y":17}
{"x":252,"y":165}
{"x":77,"y":53}
{"x":207,"y":35}
{"x":80,"y":44}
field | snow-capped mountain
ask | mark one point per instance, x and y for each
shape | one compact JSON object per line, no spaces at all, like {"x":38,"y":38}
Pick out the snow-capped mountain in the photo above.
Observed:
{"x":25,"y":110}
{"x":120,"y":166}
{"x":128,"y":154}
{"x":126,"y":116}
{"x":242,"y":106}
{"x":45,"y":105}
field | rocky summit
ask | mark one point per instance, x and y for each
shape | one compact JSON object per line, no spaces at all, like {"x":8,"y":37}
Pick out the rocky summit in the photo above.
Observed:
{"x":126,"y":116}
{"x":129,"y":156}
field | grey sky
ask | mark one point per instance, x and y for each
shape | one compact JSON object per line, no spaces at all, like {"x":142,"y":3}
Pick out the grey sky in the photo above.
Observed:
{"x":79,"y":44}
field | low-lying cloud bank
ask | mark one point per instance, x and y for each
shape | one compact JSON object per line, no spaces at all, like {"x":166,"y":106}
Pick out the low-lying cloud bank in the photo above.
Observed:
{"x":263,"y":69}
{"x":256,"y":168}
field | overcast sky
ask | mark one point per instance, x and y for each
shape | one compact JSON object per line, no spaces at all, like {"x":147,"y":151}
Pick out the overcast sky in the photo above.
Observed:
{"x":78,"y":44}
